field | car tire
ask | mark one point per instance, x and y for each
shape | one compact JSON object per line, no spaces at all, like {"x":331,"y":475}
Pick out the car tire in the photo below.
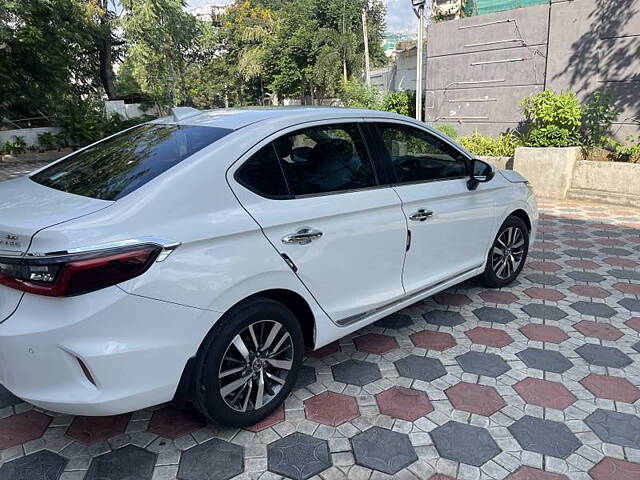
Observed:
{"x":507,"y":255}
{"x":232,"y":375}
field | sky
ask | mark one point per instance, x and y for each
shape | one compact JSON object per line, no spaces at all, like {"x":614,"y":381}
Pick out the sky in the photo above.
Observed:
{"x":400,"y":16}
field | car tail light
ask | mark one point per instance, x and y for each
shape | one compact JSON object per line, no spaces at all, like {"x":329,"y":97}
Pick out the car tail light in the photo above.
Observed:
{"x":75,"y":274}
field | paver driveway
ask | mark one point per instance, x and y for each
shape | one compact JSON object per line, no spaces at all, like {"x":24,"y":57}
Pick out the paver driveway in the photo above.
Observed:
{"x":473,"y":383}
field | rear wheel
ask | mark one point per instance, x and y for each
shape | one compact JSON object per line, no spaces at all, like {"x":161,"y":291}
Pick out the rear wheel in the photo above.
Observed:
{"x":508,"y":254}
{"x":249,"y":363}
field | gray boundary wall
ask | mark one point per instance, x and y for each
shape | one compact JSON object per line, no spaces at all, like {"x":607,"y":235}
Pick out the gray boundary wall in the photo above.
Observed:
{"x":479,"y":68}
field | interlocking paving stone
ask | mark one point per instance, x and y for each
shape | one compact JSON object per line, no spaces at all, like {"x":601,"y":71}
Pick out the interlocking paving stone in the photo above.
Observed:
{"x":547,"y":312}
{"x":547,"y":360}
{"x":356,"y":372}
{"x":579,"y":253}
{"x":628,"y":288}
{"x":491,"y":337}
{"x":213,"y":460}
{"x":583,"y":264}
{"x":325,"y":351}
{"x":603,"y":331}
{"x":615,"y":427}
{"x":330,"y":408}
{"x":420,"y":368}
{"x":474,"y":398}
{"x":611,"y":388}
{"x":544,"y":393}
{"x":630,"y":304}
{"x":593,"y":309}
{"x":530,"y":473}
{"x":625,"y":274}
{"x":395,"y":320}
{"x":375,"y":343}
{"x":618,"y":252}
{"x":42,"y":465}
{"x":603,"y":356}
{"x":443,"y":318}
{"x":430,"y":340}
{"x":464,"y":443}
{"x":498,"y":296}
{"x":306,"y":377}
{"x":452,"y":299}
{"x":588,"y":277}
{"x":615,"y":469}
{"x":404,"y":403}
{"x":493,"y":314}
{"x":479,"y":363}
{"x":88,"y":430}
{"x":276,"y":417}
{"x":298,"y":456}
{"x":172,"y":423}
{"x":589,"y":291}
{"x":22,"y":428}
{"x":128,"y":462}
{"x":544,"y":436}
{"x":544,"y":279}
{"x":8,"y":399}
{"x":549,"y":294}
{"x":633,"y":323}
{"x":383,"y":450}
{"x":544,"y":333}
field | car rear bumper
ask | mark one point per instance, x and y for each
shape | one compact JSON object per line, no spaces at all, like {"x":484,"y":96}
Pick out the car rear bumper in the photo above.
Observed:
{"x":134,"y":350}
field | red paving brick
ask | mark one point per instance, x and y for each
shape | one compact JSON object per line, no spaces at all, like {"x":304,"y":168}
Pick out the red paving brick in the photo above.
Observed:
{"x":329,"y":349}
{"x":633,"y":323}
{"x":474,"y":398}
{"x":544,"y":393}
{"x":615,"y":469}
{"x":603,"y":331}
{"x":431,"y":340}
{"x":610,"y":242}
{"x":544,"y":266}
{"x":544,"y":333}
{"x":91,"y":429}
{"x":544,"y":246}
{"x":276,"y":417}
{"x":583,"y":264}
{"x":590,"y":291}
{"x":439,"y":476}
{"x":544,"y":294}
{"x":404,"y":403}
{"x":628,"y":288}
{"x":169,"y":422}
{"x":491,"y":337}
{"x":620,"y":262}
{"x":612,"y":388}
{"x":529,"y":473}
{"x":452,"y":299}
{"x":375,"y":343}
{"x":22,"y":428}
{"x":498,"y":296}
{"x":330,"y":408}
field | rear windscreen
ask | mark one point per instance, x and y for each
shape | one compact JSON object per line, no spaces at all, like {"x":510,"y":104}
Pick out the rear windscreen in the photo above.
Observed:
{"x":116,"y":167}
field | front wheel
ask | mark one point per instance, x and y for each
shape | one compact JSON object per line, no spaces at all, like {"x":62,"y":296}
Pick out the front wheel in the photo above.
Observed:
{"x":249,"y":363}
{"x":507,"y":255}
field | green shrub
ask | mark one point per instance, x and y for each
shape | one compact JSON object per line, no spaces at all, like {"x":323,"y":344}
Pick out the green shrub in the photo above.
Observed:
{"x":552,"y":119}
{"x":396,"y":102}
{"x":49,"y":141}
{"x":355,"y":94}
{"x":598,"y":113}
{"x":15,"y":145}
{"x":503,"y":146}
{"x":626,"y":153}
{"x":448,"y":130}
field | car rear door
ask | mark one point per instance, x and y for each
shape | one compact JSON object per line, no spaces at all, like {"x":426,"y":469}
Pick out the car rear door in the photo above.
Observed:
{"x":315,"y":193}
{"x":450,"y":226}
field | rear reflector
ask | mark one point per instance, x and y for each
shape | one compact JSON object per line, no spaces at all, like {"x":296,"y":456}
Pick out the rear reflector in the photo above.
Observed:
{"x":67,"y":275}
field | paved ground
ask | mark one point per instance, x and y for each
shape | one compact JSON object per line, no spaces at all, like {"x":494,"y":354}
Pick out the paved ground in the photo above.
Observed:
{"x":538,"y":381}
{"x":13,"y":168}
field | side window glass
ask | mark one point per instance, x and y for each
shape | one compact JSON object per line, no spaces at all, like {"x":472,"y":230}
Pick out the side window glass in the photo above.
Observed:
{"x":262,"y":174}
{"x":417,"y":156}
{"x":325,"y":159}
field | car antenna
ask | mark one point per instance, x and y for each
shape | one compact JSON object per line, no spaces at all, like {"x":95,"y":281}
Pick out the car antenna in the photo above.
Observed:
{"x":181,"y":113}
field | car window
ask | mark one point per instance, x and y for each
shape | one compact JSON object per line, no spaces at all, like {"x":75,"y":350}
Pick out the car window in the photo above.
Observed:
{"x":115,"y":167}
{"x":418,"y":156}
{"x":262,"y":174}
{"x":325,"y":159}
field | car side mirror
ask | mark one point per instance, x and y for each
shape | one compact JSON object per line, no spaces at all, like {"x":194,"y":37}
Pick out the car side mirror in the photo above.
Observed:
{"x":480,"y":172}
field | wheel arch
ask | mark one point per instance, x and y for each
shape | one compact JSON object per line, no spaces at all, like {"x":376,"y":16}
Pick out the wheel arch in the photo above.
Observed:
{"x":522,"y":215}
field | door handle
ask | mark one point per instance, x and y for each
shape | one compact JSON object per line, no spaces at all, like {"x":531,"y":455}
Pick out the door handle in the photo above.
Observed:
{"x":303,"y":236}
{"x":421,"y":215}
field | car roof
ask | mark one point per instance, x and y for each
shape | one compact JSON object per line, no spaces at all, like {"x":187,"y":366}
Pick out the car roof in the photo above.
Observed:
{"x":236,"y":118}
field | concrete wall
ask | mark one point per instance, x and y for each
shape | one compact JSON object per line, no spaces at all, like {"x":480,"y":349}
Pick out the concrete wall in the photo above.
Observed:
{"x":29,"y":135}
{"x":479,"y":68}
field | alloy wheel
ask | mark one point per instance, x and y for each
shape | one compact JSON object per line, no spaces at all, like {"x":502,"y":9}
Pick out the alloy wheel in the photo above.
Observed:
{"x":255,"y":365}
{"x":508,"y":252}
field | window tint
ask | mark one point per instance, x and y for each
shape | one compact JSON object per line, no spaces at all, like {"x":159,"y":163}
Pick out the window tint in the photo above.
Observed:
{"x":262,"y":174}
{"x":325,"y":159}
{"x":116,"y":167}
{"x":418,"y":156}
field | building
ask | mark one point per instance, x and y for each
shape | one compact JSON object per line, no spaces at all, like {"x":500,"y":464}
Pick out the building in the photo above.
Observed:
{"x":209,"y":12}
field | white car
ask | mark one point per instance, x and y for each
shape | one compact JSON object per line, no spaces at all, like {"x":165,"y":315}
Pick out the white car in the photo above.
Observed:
{"x":196,"y":257}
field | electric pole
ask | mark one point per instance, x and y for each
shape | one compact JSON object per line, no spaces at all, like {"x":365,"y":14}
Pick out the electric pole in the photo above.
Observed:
{"x":419,"y":9}
{"x":365,"y":34}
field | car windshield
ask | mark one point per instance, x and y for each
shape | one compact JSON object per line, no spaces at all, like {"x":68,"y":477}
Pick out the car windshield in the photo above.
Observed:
{"x":115,"y":167}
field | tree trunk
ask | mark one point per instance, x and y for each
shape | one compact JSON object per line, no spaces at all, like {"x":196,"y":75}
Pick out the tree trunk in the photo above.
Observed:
{"x":106,"y":64}
{"x":344,"y":69}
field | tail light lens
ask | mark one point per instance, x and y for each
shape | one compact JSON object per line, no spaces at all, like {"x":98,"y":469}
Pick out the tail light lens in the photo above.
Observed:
{"x":67,"y":275}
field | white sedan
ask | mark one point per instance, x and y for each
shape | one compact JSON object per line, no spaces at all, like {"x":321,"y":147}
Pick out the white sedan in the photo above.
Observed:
{"x":195,"y":257}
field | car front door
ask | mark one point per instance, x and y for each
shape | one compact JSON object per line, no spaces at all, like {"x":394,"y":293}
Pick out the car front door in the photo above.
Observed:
{"x":315,"y":194}
{"x":450,"y":225}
